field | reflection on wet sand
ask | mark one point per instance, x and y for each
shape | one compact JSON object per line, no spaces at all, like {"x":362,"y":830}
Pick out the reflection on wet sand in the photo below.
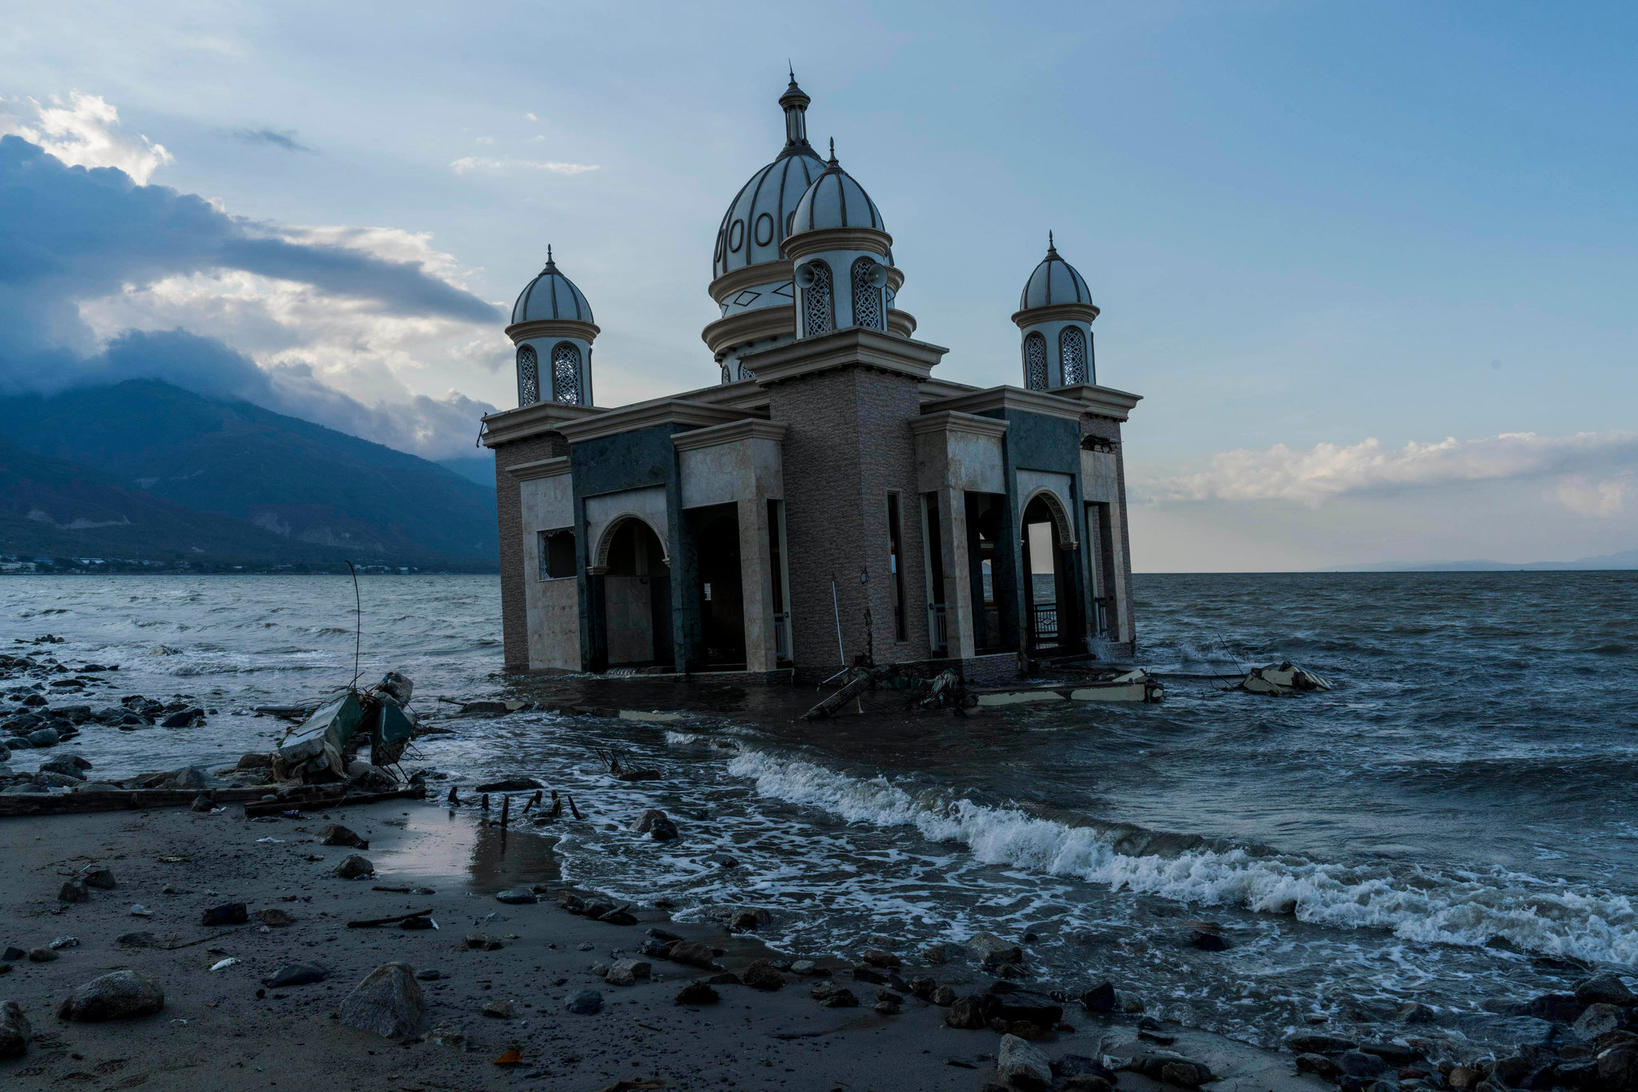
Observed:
{"x":436,"y":847}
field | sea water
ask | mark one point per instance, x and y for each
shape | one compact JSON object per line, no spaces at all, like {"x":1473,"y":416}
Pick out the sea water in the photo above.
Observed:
{"x":1456,"y":824}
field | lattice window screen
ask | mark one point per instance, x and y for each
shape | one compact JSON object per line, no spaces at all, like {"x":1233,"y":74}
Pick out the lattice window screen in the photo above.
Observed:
{"x":528,"y":376}
{"x":566,"y":373}
{"x":1035,"y":364}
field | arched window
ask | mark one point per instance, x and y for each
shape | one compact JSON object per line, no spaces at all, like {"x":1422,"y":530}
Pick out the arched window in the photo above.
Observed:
{"x":566,"y":373}
{"x":867,"y":298}
{"x":1072,"y":352}
{"x":528,"y":376}
{"x":818,"y":309}
{"x":1035,"y":376}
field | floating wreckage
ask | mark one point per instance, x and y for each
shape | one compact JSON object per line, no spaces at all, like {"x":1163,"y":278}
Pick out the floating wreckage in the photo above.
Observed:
{"x":946,"y":690}
{"x":1281,"y":680}
{"x":327,"y":742}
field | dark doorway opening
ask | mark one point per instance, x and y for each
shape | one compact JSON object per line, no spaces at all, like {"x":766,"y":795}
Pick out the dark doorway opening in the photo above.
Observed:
{"x":719,"y":586}
{"x":637,"y":597}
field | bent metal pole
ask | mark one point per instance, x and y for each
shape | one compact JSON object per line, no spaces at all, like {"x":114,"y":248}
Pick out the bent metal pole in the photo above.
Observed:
{"x":835,"y":606}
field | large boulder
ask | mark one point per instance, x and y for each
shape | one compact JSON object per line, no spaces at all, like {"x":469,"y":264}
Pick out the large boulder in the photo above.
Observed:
{"x":993,"y":952}
{"x":1605,"y":989}
{"x":388,"y":1002}
{"x":657,"y":825}
{"x":337,"y":835}
{"x":15,"y":1033}
{"x":1022,"y":1066}
{"x":119,"y":995}
{"x":355,"y":867}
{"x":1599,"y":1018}
{"x":1618,"y":1069}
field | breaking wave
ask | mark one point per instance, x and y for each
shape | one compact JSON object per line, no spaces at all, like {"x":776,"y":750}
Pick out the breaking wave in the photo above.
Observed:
{"x":1470,"y":909}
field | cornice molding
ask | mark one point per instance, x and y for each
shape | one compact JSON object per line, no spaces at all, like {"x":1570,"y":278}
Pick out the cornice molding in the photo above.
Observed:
{"x":947,"y":421}
{"x":732,"y":432}
{"x":1011,"y":398}
{"x":665,"y":411}
{"x":540,"y":468}
{"x":735,"y":281}
{"x":900,"y":323}
{"x":1056,"y":312}
{"x":1103,"y":401}
{"x":505,"y":426}
{"x":854,"y":346}
{"x":799,"y":246}
{"x":748,"y":326}
{"x":521,"y":331}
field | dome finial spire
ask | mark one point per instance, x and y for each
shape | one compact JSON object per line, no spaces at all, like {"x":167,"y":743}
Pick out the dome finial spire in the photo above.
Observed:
{"x":795,"y":104}
{"x":833,"y":162}
{"x":1052,"y":247}
{"x":550,"y":265}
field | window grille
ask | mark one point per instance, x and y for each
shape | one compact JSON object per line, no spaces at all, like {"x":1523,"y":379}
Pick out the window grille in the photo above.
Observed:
{"x":1072,"y":351}
{"x":867,"y":298}
{"x":818,"y":311}
{"x":566,"y":373}
{"x":1035,"y":368}
{"x":528,"y":376}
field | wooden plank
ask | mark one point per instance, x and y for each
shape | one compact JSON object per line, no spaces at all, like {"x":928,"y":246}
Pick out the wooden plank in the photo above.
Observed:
{"x":334,"y":800}
{"x":17,"y":805}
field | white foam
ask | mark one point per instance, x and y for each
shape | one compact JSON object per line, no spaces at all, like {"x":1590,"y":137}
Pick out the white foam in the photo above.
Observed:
{"x":1422,"y":906}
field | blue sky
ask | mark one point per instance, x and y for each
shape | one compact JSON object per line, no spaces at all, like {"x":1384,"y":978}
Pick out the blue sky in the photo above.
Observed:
{"x":1318,"y":233}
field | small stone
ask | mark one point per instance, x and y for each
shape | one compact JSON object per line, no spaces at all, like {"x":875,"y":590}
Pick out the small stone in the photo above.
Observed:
{"x":584,"y":1003}
{"x":1600,"y":1018}
{"x":517,"y":896}
{"x":966,"y":1013}
{"x":201,"y":803}
{"x":698,"y":993}
{"x":1314,"y":1042}
{"x":1607,"y":989}
{"x":944,"y":997}
{"x":1359,"y":1065}
{"x":388,"y":1002}
{"x":140,"y":911}
{"x":693,"y":953}
{"x":229,"y":913}
{"x":1207,"y":936}
{"x":840,"y":998}
{"x":1021,"y":1065}
{"x":64,"y":942}
{"x":296,"y":974}
{"x":428,"y":975}
{"x":337,"y":835}
{"x":626,"y":972}
{"x":889,"y":1003}
{"x":42,"y":955}
{"x":760,"y":975}
{"x":876,"y":957}
{"x":478,"y":942}
{"x":73,"y":891}
{"x":274,"y":917}
{"x":15,"y":1032}
{"x":1100,"y":998}
{"x":137,"y":940}
{"x":499,"y":1010}
{"x":119,"y":995}
{"x":13,"y":954}
{"x":656,"y":825}
{"x":354,"y":867}
{"x":748,"y":921}
{"x":1320,"y":1066}
{"x":97,"y":876}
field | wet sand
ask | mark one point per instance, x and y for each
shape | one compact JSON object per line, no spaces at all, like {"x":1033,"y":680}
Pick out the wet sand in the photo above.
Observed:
{"x":224,"y":1030}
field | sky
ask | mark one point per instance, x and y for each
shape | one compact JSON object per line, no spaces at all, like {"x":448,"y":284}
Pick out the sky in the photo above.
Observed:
{"x":1373,"y":267}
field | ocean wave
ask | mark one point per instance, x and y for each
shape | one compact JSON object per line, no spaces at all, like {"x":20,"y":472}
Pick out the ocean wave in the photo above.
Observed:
{"x":1472,"y":909}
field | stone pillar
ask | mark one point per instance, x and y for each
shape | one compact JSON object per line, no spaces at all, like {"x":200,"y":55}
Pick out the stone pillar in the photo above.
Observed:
{"x":958,"y":588}
{"x":756,"y":584}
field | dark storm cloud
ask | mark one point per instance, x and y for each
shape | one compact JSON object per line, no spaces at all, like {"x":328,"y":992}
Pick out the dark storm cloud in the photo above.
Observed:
{"x":278,"y":138}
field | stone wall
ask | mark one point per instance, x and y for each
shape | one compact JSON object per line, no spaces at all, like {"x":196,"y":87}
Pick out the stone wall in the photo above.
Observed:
{"x":509,"y":508}
{"x":848,"y":445}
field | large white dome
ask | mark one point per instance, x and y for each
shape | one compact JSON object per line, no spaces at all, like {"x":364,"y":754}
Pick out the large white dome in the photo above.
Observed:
{"x":835,"y":200}
{"x":1054,"y":281}
{"x":758,"y":218}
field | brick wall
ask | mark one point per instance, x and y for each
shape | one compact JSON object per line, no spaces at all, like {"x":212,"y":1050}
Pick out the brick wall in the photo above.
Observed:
{"x":509,"y":509}
{"x":848,"y":443}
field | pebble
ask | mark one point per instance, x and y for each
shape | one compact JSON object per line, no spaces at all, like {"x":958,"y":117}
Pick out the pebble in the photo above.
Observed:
{"x":584,"y":1003}
{"x":140,"y":911}
{"x":65,"y":942}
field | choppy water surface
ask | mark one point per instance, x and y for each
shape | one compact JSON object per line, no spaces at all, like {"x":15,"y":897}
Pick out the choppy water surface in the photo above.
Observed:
{"x":1456,"y":824}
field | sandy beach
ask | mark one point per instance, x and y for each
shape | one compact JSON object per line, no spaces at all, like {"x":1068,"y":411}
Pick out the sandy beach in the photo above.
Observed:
{"x":223,"y":1029}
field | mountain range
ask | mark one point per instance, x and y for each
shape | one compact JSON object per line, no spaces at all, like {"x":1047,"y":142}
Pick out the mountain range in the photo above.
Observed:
{"x":146,"y":471}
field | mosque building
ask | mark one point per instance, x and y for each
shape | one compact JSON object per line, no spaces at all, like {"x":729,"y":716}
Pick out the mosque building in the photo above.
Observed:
{"x":829,"y":497}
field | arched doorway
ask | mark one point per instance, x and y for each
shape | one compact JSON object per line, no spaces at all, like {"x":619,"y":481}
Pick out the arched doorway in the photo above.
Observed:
{"x":1051,"y":619}
{"x":719,"y":589}
{"x":636,"y":594}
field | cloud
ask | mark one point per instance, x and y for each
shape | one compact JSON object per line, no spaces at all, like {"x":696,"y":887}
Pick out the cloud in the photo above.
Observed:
{"x":103,"y":279}
{"x":278,"y":138}
{"x":1586,"y":472}
{"x":482,"y":163}
{"x":84,"y":132}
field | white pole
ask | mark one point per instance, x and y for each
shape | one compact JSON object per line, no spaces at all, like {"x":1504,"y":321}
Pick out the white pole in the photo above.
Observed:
{"x":835,"y":606}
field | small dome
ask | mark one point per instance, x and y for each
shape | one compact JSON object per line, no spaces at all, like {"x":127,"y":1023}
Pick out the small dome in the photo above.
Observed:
{"x":757,"y":219}
{"x":835,"y":200}
{"x":551,"y":295}
{"x":1054,"y":281}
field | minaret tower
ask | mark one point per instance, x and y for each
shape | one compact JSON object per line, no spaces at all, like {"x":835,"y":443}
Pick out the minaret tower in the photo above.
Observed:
{"x":553,"y":330}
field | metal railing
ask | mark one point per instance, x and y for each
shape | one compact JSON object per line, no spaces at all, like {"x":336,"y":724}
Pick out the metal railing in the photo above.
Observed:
{"x":782,"y":636}
{"x":1044,"y":623}
{"x":938,"y":629}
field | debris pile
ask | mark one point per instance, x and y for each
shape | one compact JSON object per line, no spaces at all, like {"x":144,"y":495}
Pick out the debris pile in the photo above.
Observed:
{"x":327,"y":744}
{"x":1281,"y":679}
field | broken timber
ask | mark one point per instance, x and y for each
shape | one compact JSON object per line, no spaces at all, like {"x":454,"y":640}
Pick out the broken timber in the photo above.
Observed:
{"x":14,"y":805}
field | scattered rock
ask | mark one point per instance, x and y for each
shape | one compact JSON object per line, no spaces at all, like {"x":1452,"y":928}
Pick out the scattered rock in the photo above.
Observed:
{"x":889,"y":1003}
{"x":698,"y":993}
{"x":15,"y":1032}
{"x":840,"y":998}
{"x":202,"y":803}
{"x":761,"y":975}
{"x":511,"y":784}
{"x":337,"y":835}
{"x":944,"y":997}
{"x":119,"y":995}
{"x":478,"y":942}
{"x":274,"y":918}
{"x":13,"y":954}
{"x":1314,"y":1042}
{"x":296,"y":974}
{"x":43,"y":737}
{"x":1618,"y":1068}
{"x":1021,"y":1065}
{"x":1360,"y":1065}
{"x":876,"y":957}
{"x":626,"y":972}
{"x":73,"y":891}
{"x":584,"y":1003}
{"x":966,"y":1013}
{"x":229,"y":913}
{"x":140,"y":911}
{"x":137,"y":940}
{"x":517,"y":896}
{"x":1599,"y":1018}
{"x":1605,"y":989}
{"x":994,"y":952}
{"x":388,"y":1002}
{"x":42,"y":955}
{"x":748,"y":921}
{"x":1206,"y":936}
{"x":60,"y":943}
{"x":1560,"y":1008}
{"x":1100,"y":998}
{"x":656,"y":825}
{"x":99,"y":877}
{"x":1320,"y":1066}
{"x":354,"y":867}
{"x":499,"y":1010}
{"x":692,"y":953}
